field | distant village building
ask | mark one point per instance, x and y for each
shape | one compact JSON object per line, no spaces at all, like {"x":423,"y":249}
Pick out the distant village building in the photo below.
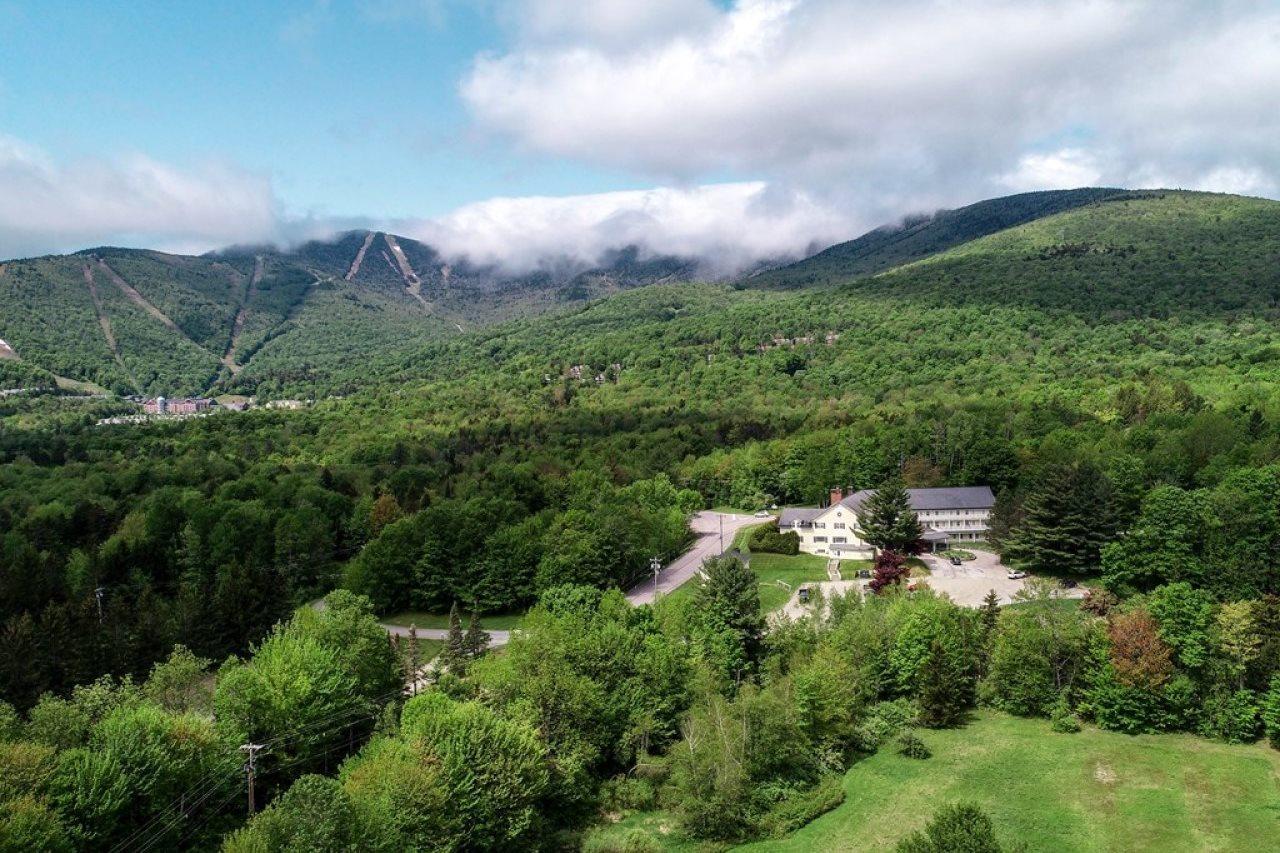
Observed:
{"x":946,"y":515}
{"x":285,"y":404}
{"x":176,"y":406}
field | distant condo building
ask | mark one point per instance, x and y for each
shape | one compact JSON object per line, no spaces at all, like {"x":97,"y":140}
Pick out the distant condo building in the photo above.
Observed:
{"x":179,"y":406}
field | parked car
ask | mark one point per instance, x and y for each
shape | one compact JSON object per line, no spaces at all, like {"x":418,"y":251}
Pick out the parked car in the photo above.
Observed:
{"x":955,"y":561}
{"x":764,"y":513}
{"x":1016,"y":575}
{"x":864,"y":573}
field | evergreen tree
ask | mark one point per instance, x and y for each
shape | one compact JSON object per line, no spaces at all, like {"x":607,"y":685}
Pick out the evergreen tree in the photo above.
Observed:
{"x":1068,"y":519}
{"x":990,"y":612}
{"x":944,"y":689}
{"x":729,"y":597}
{"x":454,"y":655}
{"x":414,"y":654}
{"x":888,"y":522}
{"x":476,"y":640}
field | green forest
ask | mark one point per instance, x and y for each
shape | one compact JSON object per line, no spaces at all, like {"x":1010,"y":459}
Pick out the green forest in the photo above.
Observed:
{"x":1106,"y":361}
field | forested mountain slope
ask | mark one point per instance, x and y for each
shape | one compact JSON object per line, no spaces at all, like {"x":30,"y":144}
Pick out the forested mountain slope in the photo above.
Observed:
{"x":921,"y":236}
{"x":137,"y":321}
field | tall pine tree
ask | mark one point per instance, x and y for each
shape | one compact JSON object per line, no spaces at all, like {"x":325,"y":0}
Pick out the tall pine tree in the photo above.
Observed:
{"x":454,"y":654}
{"x":476,"y":640}
{"x":729,"y":597}
{"x":888,"y":522}
{"x":1068,"y":517}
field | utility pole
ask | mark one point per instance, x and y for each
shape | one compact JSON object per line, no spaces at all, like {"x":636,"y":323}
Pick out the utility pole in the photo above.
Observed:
{"x":251,"y":767}
{"x":98,"y":594}
{"x":656,"y":565}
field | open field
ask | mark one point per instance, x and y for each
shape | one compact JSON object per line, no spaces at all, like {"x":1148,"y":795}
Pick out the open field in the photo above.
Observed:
{"x":1075,"y":793}
{"x":1091,"y":791}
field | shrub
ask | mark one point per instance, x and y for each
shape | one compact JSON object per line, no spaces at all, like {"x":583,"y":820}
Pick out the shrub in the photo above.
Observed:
{"x":627,"y":793}
{"x":1271,"y":712}
{"x":1061,"y":718}
{"x":25,"y":768}
{"x":634,"y":840}
{"x":883,"y":722}
{"x":799,"y":807}
{"x":910,"y":745}
{"x":767,"y":539}
{"x":1232,"y":717}
{"x":959,"y":828}
{"x":27,"y":823}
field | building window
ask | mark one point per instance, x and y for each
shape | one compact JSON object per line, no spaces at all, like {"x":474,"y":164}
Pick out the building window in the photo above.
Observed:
{"x":840,"y":539}
{"x":839,"y":525}
{"x":819,"y":524}
{"x":819,"y":539}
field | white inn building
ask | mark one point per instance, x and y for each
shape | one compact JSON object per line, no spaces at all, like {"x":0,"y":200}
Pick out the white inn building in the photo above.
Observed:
{"x":948,"y":516}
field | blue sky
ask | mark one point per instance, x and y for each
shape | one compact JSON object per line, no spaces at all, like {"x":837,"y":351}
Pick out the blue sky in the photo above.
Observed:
{"x":519,"y":131}
{"x":350,"y":108}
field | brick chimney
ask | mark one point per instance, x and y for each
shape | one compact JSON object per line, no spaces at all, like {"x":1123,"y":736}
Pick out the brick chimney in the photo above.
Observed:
{"x":837,"y":495}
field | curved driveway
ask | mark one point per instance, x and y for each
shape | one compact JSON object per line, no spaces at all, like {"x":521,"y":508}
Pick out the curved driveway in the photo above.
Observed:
{"x":715,"y":532}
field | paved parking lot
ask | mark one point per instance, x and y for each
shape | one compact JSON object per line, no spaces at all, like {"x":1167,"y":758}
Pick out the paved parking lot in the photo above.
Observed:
{"x":966,"y":584}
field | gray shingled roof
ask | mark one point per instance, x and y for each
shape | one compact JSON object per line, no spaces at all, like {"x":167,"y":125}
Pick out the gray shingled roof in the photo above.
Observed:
{"x":959,"y":497}
{"x":803,"y":514}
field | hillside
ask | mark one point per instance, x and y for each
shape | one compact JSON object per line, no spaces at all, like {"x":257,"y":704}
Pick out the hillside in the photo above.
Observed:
{"x":921,"y":236}
{"x":1112,"y":369}
{"x":137,"y":321}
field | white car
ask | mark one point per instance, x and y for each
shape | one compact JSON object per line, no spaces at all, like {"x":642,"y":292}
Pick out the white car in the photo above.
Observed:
{"x":1016,"y":575}
{"x":762,"y":514}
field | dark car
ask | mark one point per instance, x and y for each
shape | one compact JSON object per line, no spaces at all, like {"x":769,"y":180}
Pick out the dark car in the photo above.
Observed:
{"x":955,"y":561}
{"x":864,"y":573}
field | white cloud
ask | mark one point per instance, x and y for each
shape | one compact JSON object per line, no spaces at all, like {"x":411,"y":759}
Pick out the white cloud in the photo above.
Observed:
{"x":887,"y":107}
{"x":1063,"y":169}
{"x":48,"y":206}
{"x":617,"y":23}
{"x":731,"y":224}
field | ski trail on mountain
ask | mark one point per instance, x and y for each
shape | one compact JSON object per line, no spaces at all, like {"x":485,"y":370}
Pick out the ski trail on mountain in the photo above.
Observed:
{"x":145,"y":304}
{"x":104,"y":322}
{"x":237,"y":327}
{"x":359,"y":258}
{"x":412,"y":283}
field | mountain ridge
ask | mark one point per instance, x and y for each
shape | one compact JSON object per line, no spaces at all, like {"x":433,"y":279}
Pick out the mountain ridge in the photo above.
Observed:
{"x":269,"y":321}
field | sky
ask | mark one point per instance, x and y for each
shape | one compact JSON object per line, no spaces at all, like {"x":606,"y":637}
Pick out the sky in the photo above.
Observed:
{"x":515,"y":132}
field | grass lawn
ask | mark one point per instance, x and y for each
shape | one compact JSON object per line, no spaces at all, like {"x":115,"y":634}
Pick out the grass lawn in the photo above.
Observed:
{"x":744,"y":533}
{"x":771,"y":568}
{"x":1091,"y":791}
{"x":421,"y":619}
{"x":427,"y":649}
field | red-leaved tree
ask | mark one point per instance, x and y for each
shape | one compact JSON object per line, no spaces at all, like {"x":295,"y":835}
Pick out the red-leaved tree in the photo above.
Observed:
{"x":890,"y":569}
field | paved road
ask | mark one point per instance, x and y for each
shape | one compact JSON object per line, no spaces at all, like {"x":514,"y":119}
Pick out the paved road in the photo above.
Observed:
{"x":711,"y":542}
{"x":714,"y":531}
{"x":496,"y":638}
